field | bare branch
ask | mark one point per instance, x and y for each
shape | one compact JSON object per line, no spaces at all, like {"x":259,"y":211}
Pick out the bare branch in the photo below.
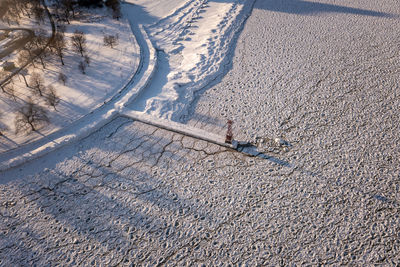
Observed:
{"x":78,"y":41}
{"x":110,"y":40}
{"x":36,"y":83}
{"x":30,"y":117}
{"x":52,"y":99}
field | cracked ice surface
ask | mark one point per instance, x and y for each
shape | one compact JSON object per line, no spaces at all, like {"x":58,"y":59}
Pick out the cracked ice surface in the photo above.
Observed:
{"x":147,"y":196}
{"x":324,"y":77}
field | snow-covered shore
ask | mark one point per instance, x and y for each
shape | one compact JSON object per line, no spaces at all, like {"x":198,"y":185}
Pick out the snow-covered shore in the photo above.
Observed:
{"x":96,"y":119}
{"x":106,"y":74}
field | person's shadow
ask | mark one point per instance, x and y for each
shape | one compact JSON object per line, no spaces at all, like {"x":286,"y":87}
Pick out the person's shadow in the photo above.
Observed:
{"x":301,"y":7}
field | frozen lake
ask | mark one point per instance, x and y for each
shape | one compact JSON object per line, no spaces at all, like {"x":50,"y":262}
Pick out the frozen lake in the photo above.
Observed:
{"x":322,"y":76}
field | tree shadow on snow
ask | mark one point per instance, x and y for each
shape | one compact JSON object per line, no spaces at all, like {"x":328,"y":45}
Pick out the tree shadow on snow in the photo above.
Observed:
{"x":137,"y":13}
{"x":301,"y":7}
{"x":107,"y":206}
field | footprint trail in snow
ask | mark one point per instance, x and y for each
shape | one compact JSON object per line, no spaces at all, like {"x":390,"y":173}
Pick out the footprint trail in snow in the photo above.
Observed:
{"x":193,"y":46}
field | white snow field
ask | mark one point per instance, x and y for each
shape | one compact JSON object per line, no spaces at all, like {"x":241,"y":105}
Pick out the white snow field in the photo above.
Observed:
{"x":108,"y":72}
{"x":316,"y":81}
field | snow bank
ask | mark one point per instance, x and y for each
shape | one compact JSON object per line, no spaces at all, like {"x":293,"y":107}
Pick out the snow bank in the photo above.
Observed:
{"x":195,"y":42}
{"x":149,"y":64}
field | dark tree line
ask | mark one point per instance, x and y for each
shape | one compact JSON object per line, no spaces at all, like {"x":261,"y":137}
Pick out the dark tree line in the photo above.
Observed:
{"x":65,"y":10}
{"x":11,"y":11}
{"x":115,"y":6}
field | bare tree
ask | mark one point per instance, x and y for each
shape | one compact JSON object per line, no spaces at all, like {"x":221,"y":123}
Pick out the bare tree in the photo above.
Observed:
{"x":69,"y":6}
{"x":110,"y":40}
{"x":9,"y":89}
{"x":87,"y":60}
{"x":29,"y":117}
{"x":82,"y":67}
{"x":62,"y":78}
{"x":78,"y":41}
{"x":10,"y":14}
{"x":36,"y":82}
{"x":35,"y":49}
{"x":22,"y":6}
{"x":38,"y":13}
{"x":38,"y":48}
{"x":58,"y":45}
{"x":52,"y":99}
{"x":26,"y":7}
{"x":115,"y":7}
{"x":23,"y":73}
{"x":13,"y":10}
{"x":3,"y":127}
{"x":27,"y":54}
{"x":41,"y":55}
{"x":24,"y":56}
{"x":62,"y":10}
{"x":41,"y":38}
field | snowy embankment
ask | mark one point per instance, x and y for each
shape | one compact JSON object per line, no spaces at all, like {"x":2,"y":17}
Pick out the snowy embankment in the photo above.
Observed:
{"x":96,"y":119}
{"x":194,"y":45}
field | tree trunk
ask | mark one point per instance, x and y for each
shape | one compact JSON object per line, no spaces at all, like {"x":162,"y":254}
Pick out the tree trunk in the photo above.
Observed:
{"x":26,"y":83}
{"x":61,"y":58}
{"x":32,"y":127}
{"x":66,"y":17}
{"x":41,"y":60}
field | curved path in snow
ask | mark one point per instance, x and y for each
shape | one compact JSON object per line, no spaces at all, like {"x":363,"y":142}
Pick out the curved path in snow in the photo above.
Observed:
{"x":97,"y":118}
